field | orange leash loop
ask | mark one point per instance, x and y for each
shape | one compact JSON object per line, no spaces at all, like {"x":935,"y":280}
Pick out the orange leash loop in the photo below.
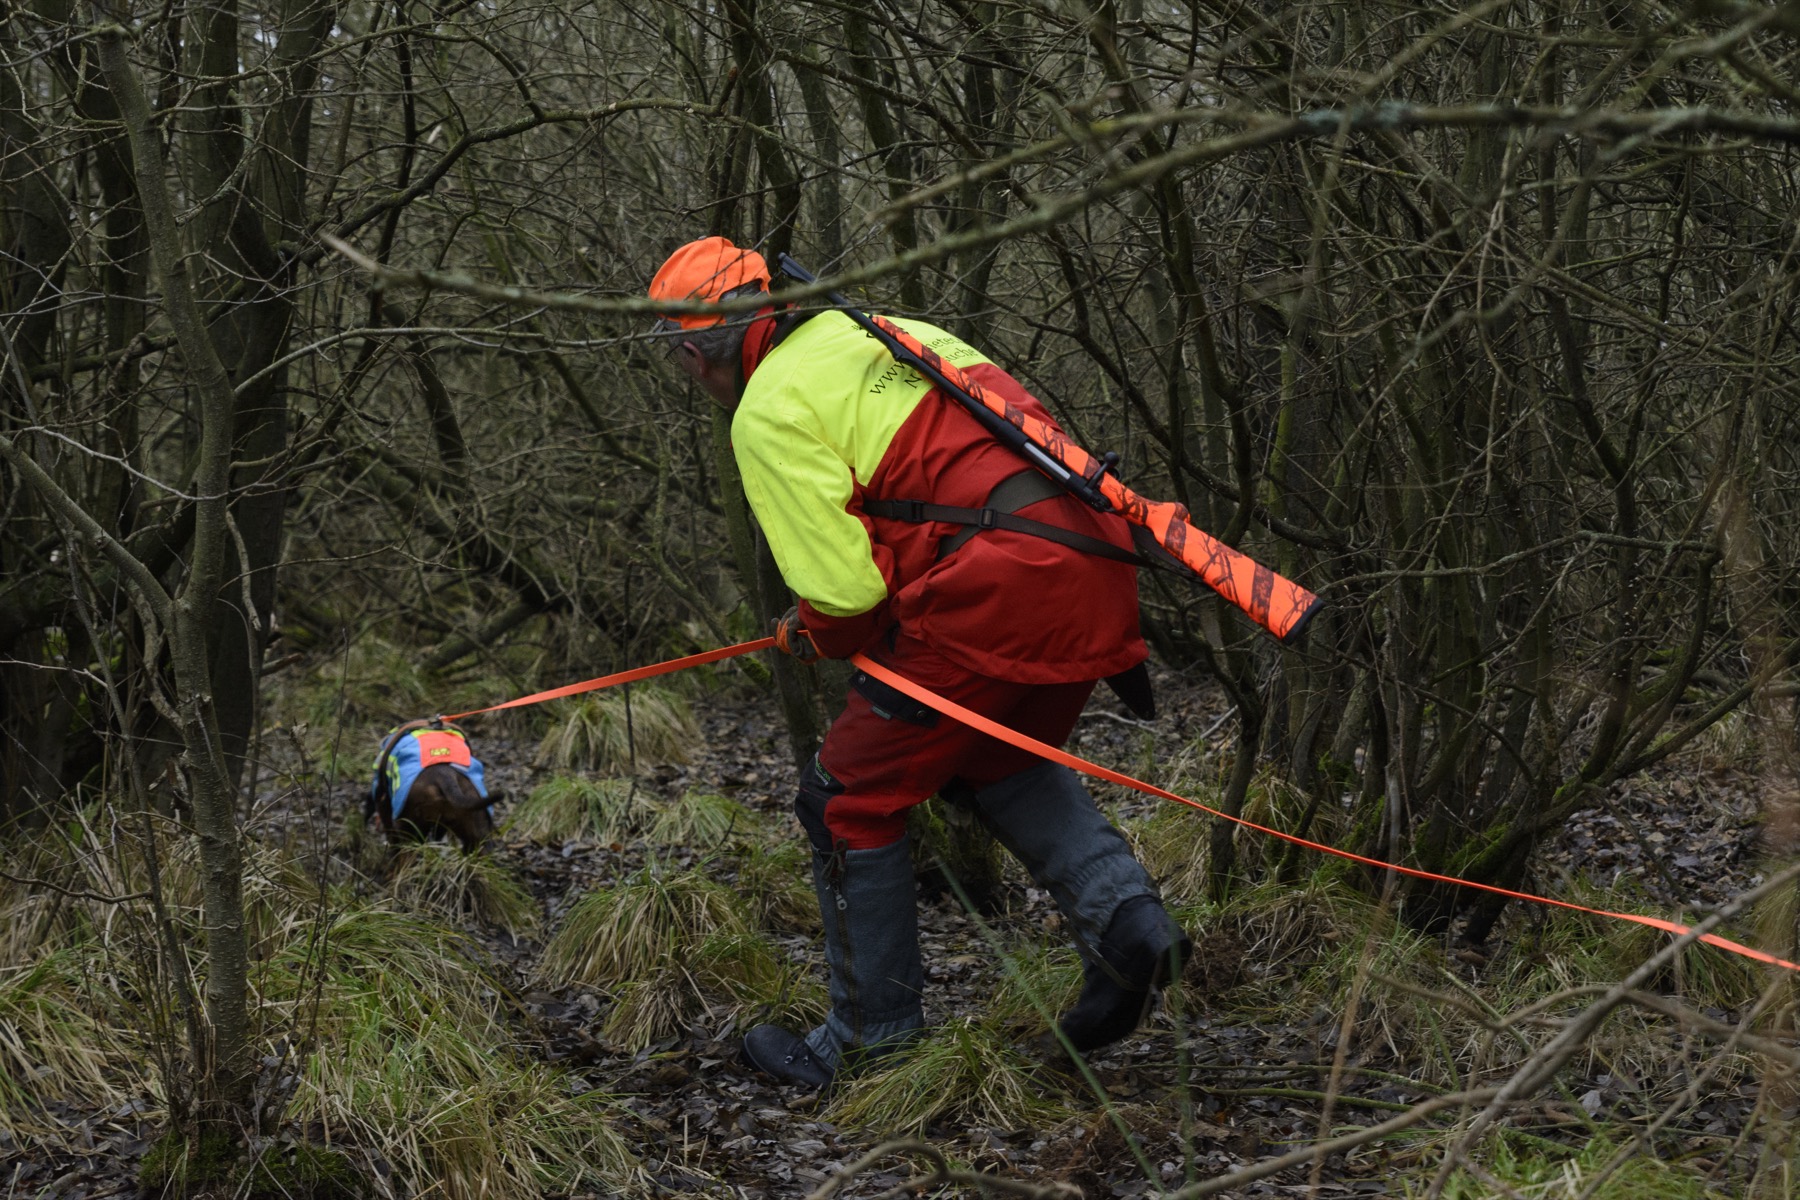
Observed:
{"x":995,"y":729}
{"x":631,"y":676}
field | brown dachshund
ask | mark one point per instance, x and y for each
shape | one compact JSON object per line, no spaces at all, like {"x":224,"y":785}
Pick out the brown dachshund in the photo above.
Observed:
{"x":427,"y":783}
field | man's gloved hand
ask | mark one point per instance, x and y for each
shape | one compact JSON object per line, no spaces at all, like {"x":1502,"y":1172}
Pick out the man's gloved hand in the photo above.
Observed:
{"x":791,"y":637}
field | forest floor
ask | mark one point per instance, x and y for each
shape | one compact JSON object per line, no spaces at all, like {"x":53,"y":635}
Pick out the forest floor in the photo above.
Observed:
{"x":1211,"y":1084}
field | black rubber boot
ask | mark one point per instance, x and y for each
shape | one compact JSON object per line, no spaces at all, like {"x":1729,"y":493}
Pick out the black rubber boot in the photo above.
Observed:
{"x":867,"y":901}
{"x":870,"y":911}
{"x":774,"y":1051}
{"x":1143,"y":950}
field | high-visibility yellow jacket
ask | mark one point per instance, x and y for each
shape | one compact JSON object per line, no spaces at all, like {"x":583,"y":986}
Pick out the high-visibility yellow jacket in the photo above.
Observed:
{"x":828,"y":420}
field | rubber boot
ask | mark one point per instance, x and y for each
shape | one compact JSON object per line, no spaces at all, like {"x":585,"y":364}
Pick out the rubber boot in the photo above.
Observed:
{"x":869,"y":906}
{"x":1142,"y":951}
{"x":1047,"y":819}
{"x":870,"y":909}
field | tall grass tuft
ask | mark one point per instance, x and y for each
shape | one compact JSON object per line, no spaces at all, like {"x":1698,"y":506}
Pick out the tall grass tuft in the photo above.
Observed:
{"x":1732,"y":743}
{"x":703,"y":820}
{"x":1309,"y":941}
{"x":1564,"y":947}
{"x":776,"y":881}
{"x":962,"y":1075}
{"x":568,"y":808}
{"x":600,"y":731}
{"x":733,"y":978}
{"x":673,"y":947}
{"x":630,"y":930}
{"x":439,"y":879}
{"x":1171,"y":843}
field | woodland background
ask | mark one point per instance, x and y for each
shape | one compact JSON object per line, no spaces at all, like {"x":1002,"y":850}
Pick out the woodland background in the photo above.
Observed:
{"x":1477,"y":319}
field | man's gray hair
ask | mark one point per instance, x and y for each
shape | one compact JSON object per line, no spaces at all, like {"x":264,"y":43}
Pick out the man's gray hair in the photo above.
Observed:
{"x":719,"y":343}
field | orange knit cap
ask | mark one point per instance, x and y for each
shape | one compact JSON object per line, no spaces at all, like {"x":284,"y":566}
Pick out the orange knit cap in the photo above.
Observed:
{"x":708,"y":269}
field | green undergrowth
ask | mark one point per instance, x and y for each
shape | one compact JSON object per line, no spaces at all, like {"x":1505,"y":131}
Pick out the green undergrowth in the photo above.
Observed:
{"x":363,"y":845}
{"x":299,"y":1169}
{"x":393,"y":1034}
{"x":570,"y":808}
{"x":437,"y":878}
{"x":338,"y":706}
{"x":175,"y":1164}
{"x":617,"y":810}
{"x":1575,"y":947}
{"x":1299,"y":949}
{"x":963,"y":1075}
{"x":618,"y":730}
{"x":413,"y":1056}
{"x":1537,"y":1169}
{"x":949,"y":839}
{"x":1037,"y":982}
{"x":704,"y":821}
{"x":1174,"y":840}
{"x":214,"y":1163}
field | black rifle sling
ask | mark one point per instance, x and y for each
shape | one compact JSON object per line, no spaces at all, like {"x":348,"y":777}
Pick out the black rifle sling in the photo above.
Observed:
{"x":1009,"y":495}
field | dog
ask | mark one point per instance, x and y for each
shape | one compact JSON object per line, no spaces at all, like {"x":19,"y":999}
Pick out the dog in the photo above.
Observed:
{"x":427,"y":783}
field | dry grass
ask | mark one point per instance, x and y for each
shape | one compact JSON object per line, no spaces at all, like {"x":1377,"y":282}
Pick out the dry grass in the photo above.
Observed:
{"x":56,"y":1042}
{"x":1307,"y":943}
{"x":1732,"y":743}
{"x":671,"y":947}
{"x":31,"y":918}
{"x":731,"y":980}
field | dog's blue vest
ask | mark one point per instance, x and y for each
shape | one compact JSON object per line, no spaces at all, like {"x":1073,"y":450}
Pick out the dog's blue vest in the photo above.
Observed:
{"x":411,"y":753}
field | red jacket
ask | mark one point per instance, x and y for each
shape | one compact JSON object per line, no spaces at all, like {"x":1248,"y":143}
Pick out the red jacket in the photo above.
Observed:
{"x":829,"y":421}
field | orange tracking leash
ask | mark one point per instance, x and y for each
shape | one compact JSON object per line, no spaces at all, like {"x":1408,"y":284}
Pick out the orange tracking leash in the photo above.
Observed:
{"x":995,"y":729}
{"x":631,"y":676}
